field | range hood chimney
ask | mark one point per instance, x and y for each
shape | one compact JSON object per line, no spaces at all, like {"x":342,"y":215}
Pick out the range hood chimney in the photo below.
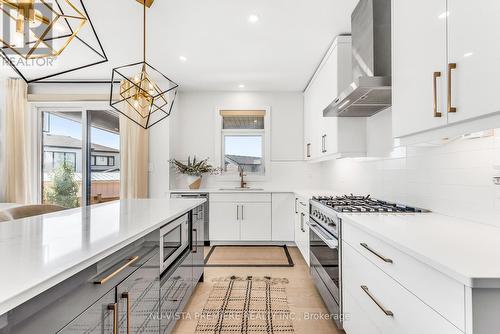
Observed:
{"x":370,"y":91}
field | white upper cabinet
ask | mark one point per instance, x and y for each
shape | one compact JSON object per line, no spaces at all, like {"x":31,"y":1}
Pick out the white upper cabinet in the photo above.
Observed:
{"x":331,"y":137}
{"x":473,"y":45}
{"x":419,"y":51}
{"x":445,"y":67}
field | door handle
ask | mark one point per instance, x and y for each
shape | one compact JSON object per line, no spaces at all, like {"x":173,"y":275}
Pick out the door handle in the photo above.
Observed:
{"x":308,"y":150}
{"x":114,"y":308}
{"x":451,"y":66}
{"x":302,"y":216}
{"x":126,"y":296}
{"x":296,"y":209}
{"x":237,"y":212}
{"x":383,"y":258}
{"x":195,"y":240}
{"x":242,"y":213}
{"x":434,"y":81}
{"x":324,"y":144}
{"x":367,"y":291}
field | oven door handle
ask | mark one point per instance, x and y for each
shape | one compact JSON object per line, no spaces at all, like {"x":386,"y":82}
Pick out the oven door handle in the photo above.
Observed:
{"x":333,"y":244}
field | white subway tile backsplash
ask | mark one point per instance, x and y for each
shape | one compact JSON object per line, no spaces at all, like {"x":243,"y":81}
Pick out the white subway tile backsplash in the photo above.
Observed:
{"x":453,"y":179}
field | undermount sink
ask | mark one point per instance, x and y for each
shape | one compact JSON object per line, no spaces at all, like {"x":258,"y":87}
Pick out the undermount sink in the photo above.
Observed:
{"x":241,"y":189}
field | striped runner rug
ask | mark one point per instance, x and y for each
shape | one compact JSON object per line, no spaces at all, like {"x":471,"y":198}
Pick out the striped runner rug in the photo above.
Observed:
{"x":250,"y":306}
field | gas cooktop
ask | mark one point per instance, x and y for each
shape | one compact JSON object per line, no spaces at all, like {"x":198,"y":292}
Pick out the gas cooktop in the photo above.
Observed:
{"x":363,"y":204}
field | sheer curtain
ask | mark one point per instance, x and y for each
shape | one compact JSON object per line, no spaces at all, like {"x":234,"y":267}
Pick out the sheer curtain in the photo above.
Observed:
{"x":20,"y":146}
{"x":134,"y":154}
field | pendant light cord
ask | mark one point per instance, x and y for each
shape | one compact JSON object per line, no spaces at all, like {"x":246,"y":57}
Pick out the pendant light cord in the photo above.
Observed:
{"x":144,"y":30}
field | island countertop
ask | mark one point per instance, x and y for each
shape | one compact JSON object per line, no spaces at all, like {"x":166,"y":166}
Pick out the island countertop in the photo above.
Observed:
{"x":39,"y":252}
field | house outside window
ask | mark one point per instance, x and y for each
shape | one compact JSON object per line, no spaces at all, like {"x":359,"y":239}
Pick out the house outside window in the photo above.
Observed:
{"x":54,"y":160}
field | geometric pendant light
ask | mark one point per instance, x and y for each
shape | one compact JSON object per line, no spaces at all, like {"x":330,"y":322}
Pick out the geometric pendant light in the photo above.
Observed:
{"x":141,"y":92}
{"x":41,"y":39}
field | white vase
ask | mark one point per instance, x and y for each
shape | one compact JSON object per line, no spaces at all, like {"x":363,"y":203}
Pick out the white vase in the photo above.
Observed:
{"x":193,"y":182}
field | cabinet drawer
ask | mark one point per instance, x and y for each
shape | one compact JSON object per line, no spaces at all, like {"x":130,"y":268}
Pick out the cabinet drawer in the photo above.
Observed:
{"x":355,"y":319}
{"x":239,"y":197}
{"x":386,"y":303}
{"x":439,"y":291}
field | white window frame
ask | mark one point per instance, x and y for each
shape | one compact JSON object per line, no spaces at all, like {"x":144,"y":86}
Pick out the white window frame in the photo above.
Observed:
{"x":220,"y":133}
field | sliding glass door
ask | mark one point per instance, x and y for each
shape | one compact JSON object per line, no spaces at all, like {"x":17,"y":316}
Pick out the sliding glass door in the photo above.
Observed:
{"x":62,"y":162}
{"x":80,"y":156}
{"x":104,"y":156}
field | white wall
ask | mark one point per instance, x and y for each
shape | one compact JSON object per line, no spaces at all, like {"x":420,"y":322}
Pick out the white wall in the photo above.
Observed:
{"x":453,"y":179}
{"x":2,"y":136}
{"x":159,"y":155}
{"x":193,"y":133}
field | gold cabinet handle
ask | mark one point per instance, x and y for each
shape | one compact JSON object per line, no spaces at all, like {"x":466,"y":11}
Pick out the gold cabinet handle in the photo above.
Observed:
{"x":113,"y":307}
{"x":117,"y":271}
{"x":451,"y":66}
{"x":436,"y":112}
{"x":383,"y":258}
{"x":367,"y":291}
{"x":126,"y":296}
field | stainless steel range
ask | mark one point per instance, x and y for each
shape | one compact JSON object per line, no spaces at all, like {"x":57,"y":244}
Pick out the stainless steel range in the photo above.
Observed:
{"x":325,"y":235}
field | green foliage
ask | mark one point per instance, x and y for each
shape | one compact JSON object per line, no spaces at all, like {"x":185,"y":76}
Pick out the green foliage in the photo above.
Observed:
{"x":195,"y":168}
{"x":64,"y":191}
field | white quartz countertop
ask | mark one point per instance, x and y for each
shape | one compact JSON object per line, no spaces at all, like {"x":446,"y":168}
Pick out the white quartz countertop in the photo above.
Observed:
{"x":309,"y":193}
{"x":229,"y":189}
{"x":306,"y":193}
{"x":39,"y":252}
{"x":466,"y":251}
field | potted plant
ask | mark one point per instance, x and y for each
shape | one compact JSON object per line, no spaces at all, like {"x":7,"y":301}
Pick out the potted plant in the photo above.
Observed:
{"x":194,"y":170}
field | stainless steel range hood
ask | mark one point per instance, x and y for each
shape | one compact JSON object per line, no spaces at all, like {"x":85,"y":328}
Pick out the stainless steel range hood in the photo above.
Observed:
{"x":370,"y":91}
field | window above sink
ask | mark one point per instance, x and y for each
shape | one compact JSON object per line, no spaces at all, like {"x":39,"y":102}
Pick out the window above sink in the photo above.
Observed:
{"x":243,"y":142}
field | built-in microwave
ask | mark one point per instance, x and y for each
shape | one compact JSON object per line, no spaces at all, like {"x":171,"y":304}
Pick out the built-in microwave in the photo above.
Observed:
{"x":174,"y":240}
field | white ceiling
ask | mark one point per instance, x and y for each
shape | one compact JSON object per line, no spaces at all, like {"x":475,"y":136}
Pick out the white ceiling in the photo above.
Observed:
{"x":223,"y":50}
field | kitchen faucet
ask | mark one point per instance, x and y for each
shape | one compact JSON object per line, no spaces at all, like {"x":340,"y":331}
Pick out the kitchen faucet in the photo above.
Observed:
{"x":243,"y":184}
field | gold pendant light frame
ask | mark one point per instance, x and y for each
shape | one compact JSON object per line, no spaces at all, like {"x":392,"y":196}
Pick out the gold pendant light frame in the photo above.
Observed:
{"x":141,"y":92}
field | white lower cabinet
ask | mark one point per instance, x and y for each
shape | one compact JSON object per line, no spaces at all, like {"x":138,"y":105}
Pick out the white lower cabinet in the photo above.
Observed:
{"x":224,"y":222}
{"x":283,"y":228}
{"x":240,"y":217}
{"x":439,"y":291}
{"x":301,"y":227}
{"x":355,"y":317}
{"x":255,"y":221}
{"x":374,"y":299}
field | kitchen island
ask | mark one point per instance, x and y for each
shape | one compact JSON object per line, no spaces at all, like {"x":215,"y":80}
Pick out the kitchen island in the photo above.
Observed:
{"x":77,"y":256}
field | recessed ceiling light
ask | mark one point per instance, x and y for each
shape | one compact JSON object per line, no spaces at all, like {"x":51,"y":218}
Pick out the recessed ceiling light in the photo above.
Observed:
{"x":444,"y":15}
{"x":468,"y":54}
{"x":182,"y":58}
{"x":241,"y":86}
{"x":254,"y":18}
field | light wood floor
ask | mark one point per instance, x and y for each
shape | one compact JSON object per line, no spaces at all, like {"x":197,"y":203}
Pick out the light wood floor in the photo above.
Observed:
{"x":303,"y":298}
